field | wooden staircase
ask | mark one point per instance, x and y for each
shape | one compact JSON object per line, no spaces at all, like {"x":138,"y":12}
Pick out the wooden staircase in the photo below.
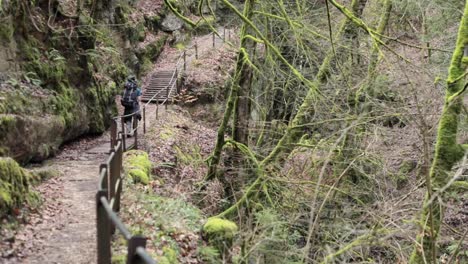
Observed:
{"x":161,"y":83}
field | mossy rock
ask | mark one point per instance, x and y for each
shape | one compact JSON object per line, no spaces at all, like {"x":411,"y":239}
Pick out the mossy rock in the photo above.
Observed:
{"x":139,"y":176}
{"x":14,"y":185}
{"x":220,"y":229}
{"x":138,"y":166}
{"x":220,"y":234}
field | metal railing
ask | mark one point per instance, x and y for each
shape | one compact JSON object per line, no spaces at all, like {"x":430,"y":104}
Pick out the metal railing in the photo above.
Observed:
{"x":111,"y":177}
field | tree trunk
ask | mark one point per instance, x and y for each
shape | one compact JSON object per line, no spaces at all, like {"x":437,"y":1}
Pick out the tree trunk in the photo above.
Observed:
{"x":242,"y":80}
{"x":447,"y":150}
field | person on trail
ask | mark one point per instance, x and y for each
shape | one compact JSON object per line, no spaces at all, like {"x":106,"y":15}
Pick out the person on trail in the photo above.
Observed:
{"x":130,"y":100}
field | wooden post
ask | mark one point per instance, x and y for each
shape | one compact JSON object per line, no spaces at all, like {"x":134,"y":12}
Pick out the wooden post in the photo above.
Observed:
{"x":196,"y":50}
{"x":185,"y":60}
{"x":177,"y":81}
{"x":118,"y":157}
{"x":229,"y":34}
{"x":124,"y":135}
{"x":144,"y":119}
{"x":103,"y":226}
{"x":135,"y":128}
{"x":133,"y":244}
{"x":113,"y":133}
{"x":224,"y":34}
{"x":167,"y":96}
{"x":214,"y":40}
{"x":157,"y":109}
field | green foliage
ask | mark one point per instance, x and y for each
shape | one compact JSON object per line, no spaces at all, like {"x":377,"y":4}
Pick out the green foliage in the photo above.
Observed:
{"x":189,"y":157}
{"x":274,"y":240}
{"x":209,"y":255}
{"x":50,"y":66}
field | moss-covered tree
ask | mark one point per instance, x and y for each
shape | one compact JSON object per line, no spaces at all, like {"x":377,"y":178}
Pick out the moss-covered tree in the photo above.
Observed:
{"x":447,"y":150}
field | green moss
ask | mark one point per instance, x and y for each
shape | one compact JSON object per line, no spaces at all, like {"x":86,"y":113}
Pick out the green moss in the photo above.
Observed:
{"x":220,"y":233}
{"x":139,"y":176}
{"x":6,"y":29}
{"x":136,"y":32}
{"x":14,"y":185}
{"x":169,"y":256}
{"x":138,"y":166}
{"x":153,"y":22}
{"x":155,"y":48}
{"x":50,"y":66}
{"x":220,"y":228}
{"x":119,"y":259}
{"x":45,"y":173}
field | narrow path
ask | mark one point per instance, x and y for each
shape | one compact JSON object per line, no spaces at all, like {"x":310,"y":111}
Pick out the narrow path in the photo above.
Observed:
{"x":63,"y":230}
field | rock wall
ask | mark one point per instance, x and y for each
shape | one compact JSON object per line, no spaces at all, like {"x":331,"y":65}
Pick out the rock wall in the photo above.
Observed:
{"x":62,"y":63}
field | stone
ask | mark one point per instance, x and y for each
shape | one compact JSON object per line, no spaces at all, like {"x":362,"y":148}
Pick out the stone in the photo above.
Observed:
{"x":171,"y":23}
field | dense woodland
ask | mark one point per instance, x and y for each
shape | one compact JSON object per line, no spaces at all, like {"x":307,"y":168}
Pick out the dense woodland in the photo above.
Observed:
{"x":333,"y":131}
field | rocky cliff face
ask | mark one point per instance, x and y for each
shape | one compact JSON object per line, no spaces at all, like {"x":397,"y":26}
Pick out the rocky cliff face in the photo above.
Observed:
{"x":62,"y":62}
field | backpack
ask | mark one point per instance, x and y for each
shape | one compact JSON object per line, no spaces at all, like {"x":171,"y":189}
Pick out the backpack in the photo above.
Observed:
{"x":129,"y":98}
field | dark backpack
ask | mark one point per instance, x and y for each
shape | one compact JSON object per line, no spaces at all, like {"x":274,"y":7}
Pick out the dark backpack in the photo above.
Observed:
{"x":129,"y":98}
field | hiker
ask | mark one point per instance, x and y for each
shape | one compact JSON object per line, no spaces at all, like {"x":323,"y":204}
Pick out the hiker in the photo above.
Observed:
{"x":131,"y":101}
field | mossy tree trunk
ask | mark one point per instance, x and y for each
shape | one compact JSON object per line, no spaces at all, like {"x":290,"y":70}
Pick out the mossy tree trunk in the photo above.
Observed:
{"x":238,"y":101}
{"x":447,"y":150}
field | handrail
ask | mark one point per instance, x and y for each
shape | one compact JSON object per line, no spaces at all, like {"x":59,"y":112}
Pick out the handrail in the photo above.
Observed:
{"x":115,"y":219}
{"x":108,"y":204}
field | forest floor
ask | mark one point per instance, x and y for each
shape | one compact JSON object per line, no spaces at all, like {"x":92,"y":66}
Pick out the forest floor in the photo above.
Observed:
{"x":62,"y":230}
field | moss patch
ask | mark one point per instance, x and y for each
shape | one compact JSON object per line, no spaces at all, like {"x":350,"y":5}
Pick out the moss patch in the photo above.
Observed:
{"x":220,"y":228}
{"x":138,"y":166}
{"x":14,"y":185}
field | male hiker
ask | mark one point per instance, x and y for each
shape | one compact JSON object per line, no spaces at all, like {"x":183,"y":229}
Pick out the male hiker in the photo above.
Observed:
{"x":131,"y":101}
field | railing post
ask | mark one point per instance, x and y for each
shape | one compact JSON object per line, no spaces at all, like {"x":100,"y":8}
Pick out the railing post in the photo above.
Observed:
{"x":103,"y":226}
{"x":177,"y":82}
{"x":135,"y":133}
{"x":124,"y":135}
{"x":185,"y":60}
{"x":144,"y":119}
{"x":157,"y":109}
{"x":133,"y":244}
{"x":214,"y":39}
{"x":167,"y":96}
{"x":118,"y":175}
{"x":113,"y":134}
{"x":229,"y":34}
{"x":224,"y":34}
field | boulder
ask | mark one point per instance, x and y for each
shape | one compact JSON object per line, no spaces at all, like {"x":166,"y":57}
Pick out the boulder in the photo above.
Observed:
{"x":171,"y":23}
